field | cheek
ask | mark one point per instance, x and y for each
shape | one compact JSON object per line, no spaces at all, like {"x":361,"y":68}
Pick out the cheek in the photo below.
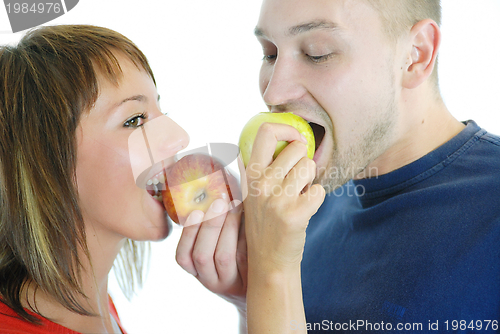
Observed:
{"x":350,"y":97}
{"x":346,"y":87}
{"x":335,"y":89}
{"x":103,"y":174}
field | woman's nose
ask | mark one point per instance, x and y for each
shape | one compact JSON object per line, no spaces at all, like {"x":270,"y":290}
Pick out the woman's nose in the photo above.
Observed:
{"x":158,"y":139}
{"x":174,"y":140}
{"x":165,"y":138}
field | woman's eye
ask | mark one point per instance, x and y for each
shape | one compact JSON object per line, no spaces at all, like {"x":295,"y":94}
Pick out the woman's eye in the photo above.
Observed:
{"x":320,"y":59}
{"x":135,"y":121}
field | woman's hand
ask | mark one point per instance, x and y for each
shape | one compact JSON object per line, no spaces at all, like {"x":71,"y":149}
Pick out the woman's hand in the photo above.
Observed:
{"x":213,"y":249}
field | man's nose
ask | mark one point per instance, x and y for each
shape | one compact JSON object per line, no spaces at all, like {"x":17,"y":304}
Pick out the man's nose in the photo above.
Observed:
{"x":282,"y":83}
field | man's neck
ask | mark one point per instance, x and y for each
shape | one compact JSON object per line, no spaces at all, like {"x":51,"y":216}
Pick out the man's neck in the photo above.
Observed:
{"x":425,"y":128}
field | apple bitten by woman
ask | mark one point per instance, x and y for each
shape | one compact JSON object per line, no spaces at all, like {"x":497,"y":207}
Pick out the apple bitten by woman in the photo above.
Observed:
{"x":71,"y":204}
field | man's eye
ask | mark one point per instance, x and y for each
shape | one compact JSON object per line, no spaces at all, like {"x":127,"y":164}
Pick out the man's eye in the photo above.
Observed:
{"x":135,"y":121}
{"x":269,"y":58}
{"x":320,"y":59}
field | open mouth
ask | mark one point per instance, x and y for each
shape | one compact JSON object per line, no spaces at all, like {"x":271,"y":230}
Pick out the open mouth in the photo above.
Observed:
{"x":155,"y":185}
{"x":319,"y":134}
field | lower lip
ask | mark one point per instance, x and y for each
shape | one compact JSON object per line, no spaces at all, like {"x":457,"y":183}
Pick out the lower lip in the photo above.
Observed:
{"x":157,"y":201}
{"x":318,"y":152}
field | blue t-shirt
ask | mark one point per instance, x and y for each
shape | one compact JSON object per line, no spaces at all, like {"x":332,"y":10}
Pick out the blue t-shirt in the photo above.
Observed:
{"x":420,"y":245}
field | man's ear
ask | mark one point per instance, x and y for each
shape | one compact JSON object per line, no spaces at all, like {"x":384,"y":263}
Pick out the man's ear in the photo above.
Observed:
{"x":425,"y":38}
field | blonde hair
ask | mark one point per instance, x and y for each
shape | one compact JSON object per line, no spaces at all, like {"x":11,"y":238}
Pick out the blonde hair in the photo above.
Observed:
{"x":46,"y":82}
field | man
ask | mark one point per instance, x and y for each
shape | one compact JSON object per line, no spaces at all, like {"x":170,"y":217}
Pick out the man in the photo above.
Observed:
{"x":408,"y":237}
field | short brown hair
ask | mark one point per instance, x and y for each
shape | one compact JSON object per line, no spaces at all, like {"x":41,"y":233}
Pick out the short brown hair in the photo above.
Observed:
{"x":47,"y":81}
{"x":398,"y":16}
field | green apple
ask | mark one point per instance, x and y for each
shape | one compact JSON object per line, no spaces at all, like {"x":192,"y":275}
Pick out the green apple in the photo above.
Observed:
{"x":249,"y":132}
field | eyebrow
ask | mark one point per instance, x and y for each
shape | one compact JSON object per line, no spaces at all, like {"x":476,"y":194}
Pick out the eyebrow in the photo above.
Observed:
{"x":302,"y":28}
{"x":318,"y":24}
{"x":140,"y":98}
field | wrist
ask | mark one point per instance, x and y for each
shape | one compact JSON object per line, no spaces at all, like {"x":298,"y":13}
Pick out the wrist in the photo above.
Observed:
{"x":274,"y":299}
{"x":273,"y":276}
{"x":271,"y":269}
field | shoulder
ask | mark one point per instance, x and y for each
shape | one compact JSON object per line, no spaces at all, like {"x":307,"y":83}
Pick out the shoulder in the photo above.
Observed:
{"x":114,"y":313}
{"x":489,"y":147}
{"x":490,"y":138}
{"x":487,"y":140}
{"x":11,"y":323}
{"x":480,"y":157}
{"x":473,"y":154}
{"x":483,"y":139}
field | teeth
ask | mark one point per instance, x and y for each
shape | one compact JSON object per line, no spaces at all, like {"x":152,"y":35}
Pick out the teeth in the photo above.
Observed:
{"x":158,"y":197}
{"x":158,"y":178}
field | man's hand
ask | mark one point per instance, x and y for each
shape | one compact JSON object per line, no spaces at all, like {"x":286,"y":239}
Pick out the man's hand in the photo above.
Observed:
{"x":279,"y":204}
{"x":281,"y":199}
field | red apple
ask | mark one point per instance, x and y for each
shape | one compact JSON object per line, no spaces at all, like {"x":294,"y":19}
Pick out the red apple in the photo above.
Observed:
{"x":194,"y":182}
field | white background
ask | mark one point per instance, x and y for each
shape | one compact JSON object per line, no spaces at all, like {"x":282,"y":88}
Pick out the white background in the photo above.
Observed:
{"x":206,"y":63}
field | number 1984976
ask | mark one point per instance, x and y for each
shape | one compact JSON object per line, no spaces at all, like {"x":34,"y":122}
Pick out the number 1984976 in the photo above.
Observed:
{"x":40,"y":8}
{"x":478,"y":325}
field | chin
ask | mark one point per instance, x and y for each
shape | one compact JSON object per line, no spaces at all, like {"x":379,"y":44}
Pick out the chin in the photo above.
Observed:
{"x":159,"y":231}
{"x":157,"y":225}
{"x":148,"y":228}
{"x":158,"y":237}
{"x":163,"y":232}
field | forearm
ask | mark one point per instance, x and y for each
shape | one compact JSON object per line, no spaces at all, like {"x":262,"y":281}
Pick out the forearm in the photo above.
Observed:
{"x":274,"y":303}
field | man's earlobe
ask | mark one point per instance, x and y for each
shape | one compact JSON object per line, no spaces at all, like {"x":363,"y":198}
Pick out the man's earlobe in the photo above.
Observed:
{"x":425,"y":38}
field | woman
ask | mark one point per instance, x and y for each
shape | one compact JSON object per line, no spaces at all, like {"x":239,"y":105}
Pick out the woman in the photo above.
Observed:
{"x":66,"y":176}
{"x":70,"y":197}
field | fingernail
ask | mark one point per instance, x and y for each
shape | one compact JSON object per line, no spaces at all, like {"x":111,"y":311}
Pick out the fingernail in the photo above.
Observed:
{"x":194,"y":218}
{"x":303,"y":138}
{"x":217,"y":206}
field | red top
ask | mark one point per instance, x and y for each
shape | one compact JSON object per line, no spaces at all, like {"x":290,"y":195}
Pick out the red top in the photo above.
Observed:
{"x":11,"y":323}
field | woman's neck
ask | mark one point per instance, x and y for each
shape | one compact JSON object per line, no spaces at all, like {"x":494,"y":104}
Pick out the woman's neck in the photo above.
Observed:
{"x":103,"y":249}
